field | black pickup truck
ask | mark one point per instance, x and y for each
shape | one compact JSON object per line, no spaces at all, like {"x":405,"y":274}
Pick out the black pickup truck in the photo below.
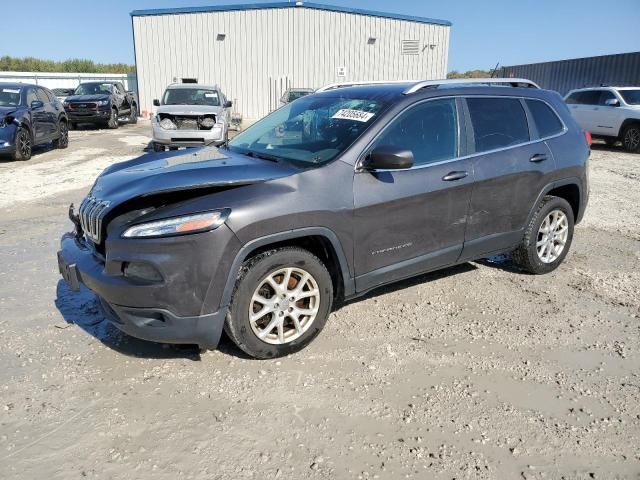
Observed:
{"x":102,"y":103}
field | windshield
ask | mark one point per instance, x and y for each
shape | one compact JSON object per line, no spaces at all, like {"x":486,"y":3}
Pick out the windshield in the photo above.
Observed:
{"x":191,"y":96}
{"x":9,"y":97}
{"x":93,"y":89}
{"x":313,"y":129}
{"x":631,"y":97}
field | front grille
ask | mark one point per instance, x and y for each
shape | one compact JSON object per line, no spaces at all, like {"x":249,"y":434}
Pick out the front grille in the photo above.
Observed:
{"x":191,"y":122}
{"x":92,"y":212}
{"x":83,"y":106}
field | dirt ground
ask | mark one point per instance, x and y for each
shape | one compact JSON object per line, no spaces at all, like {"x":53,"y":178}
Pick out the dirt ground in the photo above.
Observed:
{"x":478,"y":371}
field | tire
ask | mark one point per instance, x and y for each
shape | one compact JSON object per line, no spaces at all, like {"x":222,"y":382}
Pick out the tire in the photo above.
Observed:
{"x":631,"y":138}
{"x":133,"y":115}
{"x":315,"y":298}
{"x":538,"y":259}
{"x":158,"y":147}
{"x":23,"y":144}
{"x":113,"y":120}
{"x":63,"y":140}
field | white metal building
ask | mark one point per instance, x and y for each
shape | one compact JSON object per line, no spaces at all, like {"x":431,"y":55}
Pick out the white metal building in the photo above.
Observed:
{"x":255,"y":52}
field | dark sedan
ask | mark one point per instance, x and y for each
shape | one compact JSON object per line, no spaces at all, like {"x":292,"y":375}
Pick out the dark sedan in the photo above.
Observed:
{"x":30,"y":115}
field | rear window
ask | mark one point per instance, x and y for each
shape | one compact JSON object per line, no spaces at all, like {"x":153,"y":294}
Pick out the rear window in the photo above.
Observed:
{"x":497,"y":122}
{"x":545,"y":118}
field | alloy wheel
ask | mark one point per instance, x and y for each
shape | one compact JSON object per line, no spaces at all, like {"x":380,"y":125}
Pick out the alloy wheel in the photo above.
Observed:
{"x":552,"y":236}
{"x":24,"y":144}
{"x":284,"y":305}
{"x":632,"y":139}
{"x":64,"y":134}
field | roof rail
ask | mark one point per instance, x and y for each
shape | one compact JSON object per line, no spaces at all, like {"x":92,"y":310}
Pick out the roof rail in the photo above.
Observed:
{"x":333,"y":86}
{"x":506,"y":82}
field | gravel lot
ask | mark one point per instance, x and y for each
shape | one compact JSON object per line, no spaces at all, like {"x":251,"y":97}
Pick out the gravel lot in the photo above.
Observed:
{"x":477,"y":371}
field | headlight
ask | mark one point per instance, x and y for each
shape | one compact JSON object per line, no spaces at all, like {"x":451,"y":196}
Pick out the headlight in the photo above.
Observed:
{"x":102,"y":103}
{"x":199,"y":222}
{"x":168,"y":124}
{"x":207,"y":122}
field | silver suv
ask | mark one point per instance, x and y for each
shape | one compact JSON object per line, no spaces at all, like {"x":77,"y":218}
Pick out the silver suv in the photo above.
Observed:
{"x":190,"y":115}
{"x":609,"y":113}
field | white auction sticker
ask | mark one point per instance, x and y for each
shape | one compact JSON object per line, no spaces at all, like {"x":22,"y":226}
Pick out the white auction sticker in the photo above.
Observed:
{"x":10,"y":90}
{"x":357,"y":115}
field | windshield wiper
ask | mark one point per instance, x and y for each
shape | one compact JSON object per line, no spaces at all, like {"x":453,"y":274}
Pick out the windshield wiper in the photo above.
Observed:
{"x":263,"y":156}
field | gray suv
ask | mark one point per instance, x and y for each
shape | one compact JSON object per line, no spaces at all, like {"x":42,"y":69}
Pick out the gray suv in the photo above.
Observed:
{"x":323,"y":200}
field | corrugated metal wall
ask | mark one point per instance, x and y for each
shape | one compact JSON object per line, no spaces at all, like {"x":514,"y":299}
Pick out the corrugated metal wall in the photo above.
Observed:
{"x":620,"y":70}
{"x":265,"y":51}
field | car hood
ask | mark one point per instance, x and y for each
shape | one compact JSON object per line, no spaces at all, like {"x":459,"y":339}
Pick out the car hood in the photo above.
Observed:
{"x":87,"y":98}
{"x":189,"y":109}
{"x":205,"y":167}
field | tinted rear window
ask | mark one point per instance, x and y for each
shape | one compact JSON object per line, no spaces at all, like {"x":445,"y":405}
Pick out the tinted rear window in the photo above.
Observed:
{"x":497,"y":122}
{"x":546,"y":120}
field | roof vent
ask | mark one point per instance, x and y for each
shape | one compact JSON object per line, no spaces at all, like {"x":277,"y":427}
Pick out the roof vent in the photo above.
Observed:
{"x":410,"y":47}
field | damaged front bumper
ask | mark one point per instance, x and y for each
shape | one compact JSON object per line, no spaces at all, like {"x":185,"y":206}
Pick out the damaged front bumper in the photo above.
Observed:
{"x":164,"y":289}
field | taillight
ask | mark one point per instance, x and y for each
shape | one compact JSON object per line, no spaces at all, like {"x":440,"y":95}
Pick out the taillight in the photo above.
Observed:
{"x":587,"y":137}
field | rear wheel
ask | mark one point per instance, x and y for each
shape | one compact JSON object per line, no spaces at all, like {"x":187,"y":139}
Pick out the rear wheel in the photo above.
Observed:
{"x":133,"y":114}
{"x":63,"y":139}
{"x":631,"y":138}
{"x":548,"y":237}
{"x":113,"y":120}
{"x":280,"y":303}
{"x":23,"y":144}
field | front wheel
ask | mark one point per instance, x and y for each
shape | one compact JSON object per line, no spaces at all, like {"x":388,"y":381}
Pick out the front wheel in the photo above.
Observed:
{"x":280,"y":303}
{"x":547,"y":238}
{"x":133,"y":115}
{"x":113,"y":120}
{"x":23,"y":144}
{"x":631,"y":138}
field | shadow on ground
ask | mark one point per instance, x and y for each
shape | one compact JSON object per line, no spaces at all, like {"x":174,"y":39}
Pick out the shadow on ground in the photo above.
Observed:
{"x":83,"y":309}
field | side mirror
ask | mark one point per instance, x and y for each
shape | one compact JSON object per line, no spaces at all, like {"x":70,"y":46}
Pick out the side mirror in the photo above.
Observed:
{"x":156,"y":102}
{"x":388,"y":157}
{"x":612,"y":102}
{"x":36,"y":104}
{"x":228,"y":104}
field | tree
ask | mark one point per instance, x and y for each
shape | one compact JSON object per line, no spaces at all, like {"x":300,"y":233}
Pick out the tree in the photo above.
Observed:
{"x":469,"y":74}
{"x":73,"y":65}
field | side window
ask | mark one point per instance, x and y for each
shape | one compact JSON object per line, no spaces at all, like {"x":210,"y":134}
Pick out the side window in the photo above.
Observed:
{"x":116,"y":89}
{"x":590,"y":97}
{"x":42,"y":96}
{"x":497,"y":122}
{"x":573,"y":99}
{"x":120,"y":87}
{"x":606,"y":95}
{"x":429,"y":130}
{"x":31,"y":95}
{"x":52,"y":98}
{"x":546,"y":119}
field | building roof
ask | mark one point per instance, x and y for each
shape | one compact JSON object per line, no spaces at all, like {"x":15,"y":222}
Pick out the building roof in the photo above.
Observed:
{"x":297,"y":4}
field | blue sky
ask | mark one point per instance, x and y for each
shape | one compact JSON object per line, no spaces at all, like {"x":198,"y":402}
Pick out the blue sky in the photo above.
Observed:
{"x":483,"y":33}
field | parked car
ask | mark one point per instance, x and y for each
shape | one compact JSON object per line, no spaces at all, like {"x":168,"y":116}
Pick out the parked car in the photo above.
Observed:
{"x":101,"y":103}
{"x":323,"y":200}
{"x":190,"y":115}
{"x":30,"y":115}
{"x":292,"y":94}
{"x":62,"y":93}
{"x":609,"y":113}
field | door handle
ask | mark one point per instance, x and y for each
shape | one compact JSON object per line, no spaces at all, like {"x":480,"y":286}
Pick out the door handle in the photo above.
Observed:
{"x":452,"y":176}
{"x":538,"y":157}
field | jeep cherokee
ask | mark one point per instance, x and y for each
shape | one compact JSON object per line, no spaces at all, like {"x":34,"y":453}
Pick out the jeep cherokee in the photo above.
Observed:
{"x":325,"y":199}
